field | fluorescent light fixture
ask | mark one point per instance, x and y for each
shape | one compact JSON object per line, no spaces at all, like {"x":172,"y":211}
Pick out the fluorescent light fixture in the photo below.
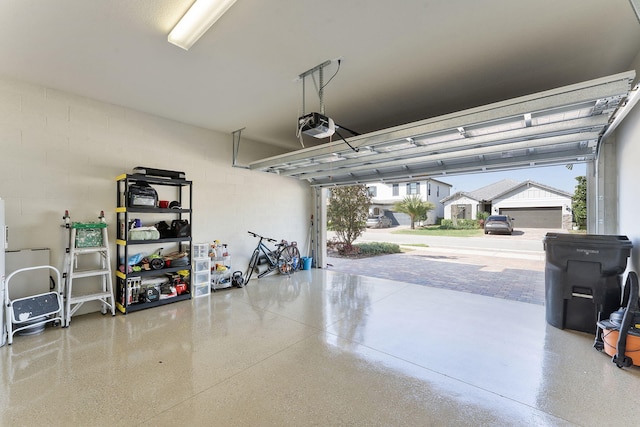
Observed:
{"x":199,"y":18}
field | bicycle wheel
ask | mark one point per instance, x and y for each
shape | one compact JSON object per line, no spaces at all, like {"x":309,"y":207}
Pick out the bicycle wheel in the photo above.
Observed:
{"x":295,"y":258}
{"x":289,"y":260}
{"x":253,"y":262}
{"x":284,"y":262}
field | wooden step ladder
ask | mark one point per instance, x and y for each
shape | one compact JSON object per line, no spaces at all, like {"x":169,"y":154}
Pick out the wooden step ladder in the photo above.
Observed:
{"x":87,"y":239}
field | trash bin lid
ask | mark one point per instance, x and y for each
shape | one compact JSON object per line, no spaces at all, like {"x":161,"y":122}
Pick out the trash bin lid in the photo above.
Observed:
{"x":599,"y":240}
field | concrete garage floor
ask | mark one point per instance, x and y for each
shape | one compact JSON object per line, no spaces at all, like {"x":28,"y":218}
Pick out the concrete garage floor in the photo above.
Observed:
{"x":319,"y":348}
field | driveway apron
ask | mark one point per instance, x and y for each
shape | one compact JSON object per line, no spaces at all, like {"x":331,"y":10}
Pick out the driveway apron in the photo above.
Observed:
{"x":486,"y":266}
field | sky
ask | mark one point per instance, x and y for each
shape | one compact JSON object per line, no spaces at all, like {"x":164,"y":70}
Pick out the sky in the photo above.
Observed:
{"x":553,"y":176}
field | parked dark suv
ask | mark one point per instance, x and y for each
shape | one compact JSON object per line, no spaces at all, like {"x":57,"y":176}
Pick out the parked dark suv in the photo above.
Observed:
{"x":498,"y":224}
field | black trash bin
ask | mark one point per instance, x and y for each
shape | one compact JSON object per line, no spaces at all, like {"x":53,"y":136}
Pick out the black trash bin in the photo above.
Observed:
{"x":583,"y":278}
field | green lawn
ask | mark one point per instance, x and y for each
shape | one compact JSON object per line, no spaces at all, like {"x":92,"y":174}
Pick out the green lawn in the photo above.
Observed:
{"x":435,"y":231}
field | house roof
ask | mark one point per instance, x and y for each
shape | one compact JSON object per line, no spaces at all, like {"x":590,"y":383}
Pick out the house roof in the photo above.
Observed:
{"x":439,"y":182}
{"x":405,"y":181}
{"x":529,"y":183}
{"x":500,"y":188}
{"x":486,"y":193}
{"x":491,"y":191}
{"x":457,"y":195}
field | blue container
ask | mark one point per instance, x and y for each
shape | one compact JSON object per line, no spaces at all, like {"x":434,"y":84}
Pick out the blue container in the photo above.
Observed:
{"x":306,"y":262}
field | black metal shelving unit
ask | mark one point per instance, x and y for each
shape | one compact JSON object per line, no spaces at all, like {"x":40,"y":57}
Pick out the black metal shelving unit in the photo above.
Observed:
{"x":182,"y":191}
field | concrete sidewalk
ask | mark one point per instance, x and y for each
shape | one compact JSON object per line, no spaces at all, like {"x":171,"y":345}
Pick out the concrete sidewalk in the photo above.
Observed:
{"x":514,"y":275}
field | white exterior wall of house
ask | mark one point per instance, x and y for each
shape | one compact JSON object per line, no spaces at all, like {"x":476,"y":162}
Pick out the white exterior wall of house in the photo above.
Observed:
{"x":532,"y":197}
{"x":437,"y":193}
{"x":383,"y":191}
{"x":461,"y":201}
{"x":439,"y":190}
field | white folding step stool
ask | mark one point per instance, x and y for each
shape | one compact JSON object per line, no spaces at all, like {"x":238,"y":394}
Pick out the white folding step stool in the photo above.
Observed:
{"x":84,"y":239}
{"x":32,"y":312}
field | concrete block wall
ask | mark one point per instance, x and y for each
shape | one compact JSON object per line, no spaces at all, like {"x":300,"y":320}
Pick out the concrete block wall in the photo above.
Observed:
{"x":626,"y":158}
{"x":628,"y":179}
{"x":59,"y":151}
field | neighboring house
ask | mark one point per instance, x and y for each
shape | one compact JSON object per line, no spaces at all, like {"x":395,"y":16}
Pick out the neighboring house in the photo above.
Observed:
{"x":533,"y":205}
{"x":383,"y":197}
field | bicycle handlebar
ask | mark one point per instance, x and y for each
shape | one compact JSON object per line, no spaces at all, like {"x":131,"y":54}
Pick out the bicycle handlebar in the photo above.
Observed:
{"x":268,"y":239}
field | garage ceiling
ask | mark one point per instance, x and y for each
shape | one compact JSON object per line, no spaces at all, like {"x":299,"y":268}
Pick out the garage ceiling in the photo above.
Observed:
{"x":403,"y":62}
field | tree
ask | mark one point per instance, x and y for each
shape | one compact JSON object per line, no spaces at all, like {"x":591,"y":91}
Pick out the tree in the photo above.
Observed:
{"x":579,"y":203}
{"x":415,"y":207}
{"x":347,"y":213}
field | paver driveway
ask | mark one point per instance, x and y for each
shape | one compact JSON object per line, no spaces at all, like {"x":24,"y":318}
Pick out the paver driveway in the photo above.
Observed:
{"x":484,"y":265}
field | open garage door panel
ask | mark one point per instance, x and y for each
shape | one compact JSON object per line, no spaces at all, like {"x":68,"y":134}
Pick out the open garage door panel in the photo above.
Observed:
{"x":558,"y":126}
{"x":544,"y":217}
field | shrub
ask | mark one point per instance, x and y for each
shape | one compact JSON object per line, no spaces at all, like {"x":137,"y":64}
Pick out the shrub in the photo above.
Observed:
{"x":481,"y":215}
{"x":342,"y":248}
{"x":463,"y":224}
{"x":378,"y":248}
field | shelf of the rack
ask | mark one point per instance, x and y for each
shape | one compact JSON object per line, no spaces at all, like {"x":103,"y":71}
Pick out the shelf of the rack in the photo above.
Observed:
{"x":148,"y":242}
{"x":144,"y":305}
{"x":153,"y":180}
{"x":153,"y":210}
{"x":160,"y":272}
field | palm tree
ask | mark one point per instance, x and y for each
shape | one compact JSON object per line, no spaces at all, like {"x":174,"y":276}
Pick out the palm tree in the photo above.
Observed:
{"x":415,"y":207}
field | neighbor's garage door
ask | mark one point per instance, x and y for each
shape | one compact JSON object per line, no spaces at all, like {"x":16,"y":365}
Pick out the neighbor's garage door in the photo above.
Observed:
{"x":535,"y":217}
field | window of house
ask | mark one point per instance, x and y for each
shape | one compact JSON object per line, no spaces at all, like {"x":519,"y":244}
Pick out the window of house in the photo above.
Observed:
{"x":428,"y":189}
{"x":373,"y":191}
{"x":396,"y":189}
{"x":461,"y":211}
{"x":437,"y":191}
{"x":413,"y":188}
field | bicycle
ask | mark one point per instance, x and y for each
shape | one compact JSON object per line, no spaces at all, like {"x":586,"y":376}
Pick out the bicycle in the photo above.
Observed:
{"x":285,"y":258}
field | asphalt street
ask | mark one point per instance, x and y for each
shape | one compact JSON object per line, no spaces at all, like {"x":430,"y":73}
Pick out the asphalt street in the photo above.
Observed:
{"x":527,"y":240}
